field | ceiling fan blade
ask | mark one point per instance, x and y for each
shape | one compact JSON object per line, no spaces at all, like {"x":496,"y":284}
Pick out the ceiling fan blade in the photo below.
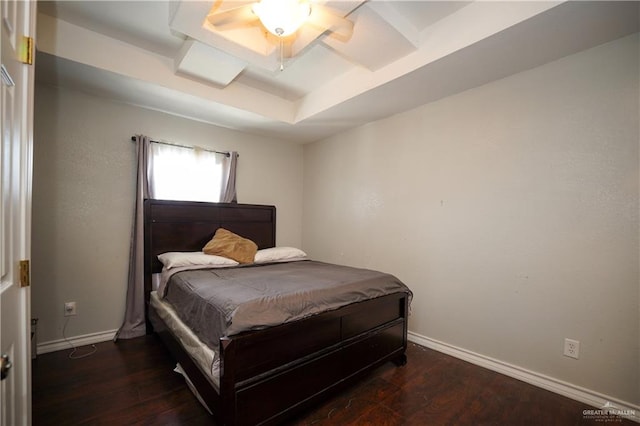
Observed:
{"x":238,"y":16}
{"x":324,"y":18}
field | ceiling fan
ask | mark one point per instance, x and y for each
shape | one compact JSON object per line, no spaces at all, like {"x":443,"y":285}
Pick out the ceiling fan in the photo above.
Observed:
{"x":283,"y":19}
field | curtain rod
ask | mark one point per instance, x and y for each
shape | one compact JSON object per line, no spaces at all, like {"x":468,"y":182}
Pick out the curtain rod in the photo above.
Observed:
{"x":226,"y":154}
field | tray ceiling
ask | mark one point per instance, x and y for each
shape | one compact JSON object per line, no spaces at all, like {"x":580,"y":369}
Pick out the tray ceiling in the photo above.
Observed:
{"x":166,"y":56}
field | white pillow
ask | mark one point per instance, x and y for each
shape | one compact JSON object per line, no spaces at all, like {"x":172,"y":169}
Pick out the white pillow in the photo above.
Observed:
{"x":176,"y":259}
{"x":279,"y":254}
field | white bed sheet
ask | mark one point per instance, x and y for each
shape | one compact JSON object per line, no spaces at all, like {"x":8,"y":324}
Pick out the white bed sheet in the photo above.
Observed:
{"x":205,"y":358}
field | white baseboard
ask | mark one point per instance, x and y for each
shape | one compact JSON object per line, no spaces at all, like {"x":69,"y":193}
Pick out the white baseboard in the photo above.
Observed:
{"x":86,"y":339}
{"x":592,"y":398}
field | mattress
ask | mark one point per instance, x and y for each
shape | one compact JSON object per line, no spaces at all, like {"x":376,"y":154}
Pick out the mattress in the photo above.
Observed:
{"x":205,"y":358}
{"x":214,"y":303}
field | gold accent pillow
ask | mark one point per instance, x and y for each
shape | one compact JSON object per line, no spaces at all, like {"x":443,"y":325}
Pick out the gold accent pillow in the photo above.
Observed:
{"x":227,"y":244}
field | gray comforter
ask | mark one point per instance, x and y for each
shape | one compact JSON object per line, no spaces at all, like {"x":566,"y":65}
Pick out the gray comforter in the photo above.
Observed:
{"x":222,"y":302}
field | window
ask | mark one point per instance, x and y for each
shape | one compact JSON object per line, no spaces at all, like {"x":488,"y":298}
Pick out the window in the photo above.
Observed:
{"x":188,"y":174}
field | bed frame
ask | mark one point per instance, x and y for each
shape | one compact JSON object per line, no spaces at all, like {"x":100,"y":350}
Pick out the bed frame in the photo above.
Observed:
{"x":269,"y":375}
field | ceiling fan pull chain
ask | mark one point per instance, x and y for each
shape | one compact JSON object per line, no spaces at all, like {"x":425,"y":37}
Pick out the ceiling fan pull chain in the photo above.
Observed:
{"x":280,"y":32}
{"x":281,"y":55}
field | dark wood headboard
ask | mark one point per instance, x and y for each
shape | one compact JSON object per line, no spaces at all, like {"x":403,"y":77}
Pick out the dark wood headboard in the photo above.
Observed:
{"x":188,"y":226}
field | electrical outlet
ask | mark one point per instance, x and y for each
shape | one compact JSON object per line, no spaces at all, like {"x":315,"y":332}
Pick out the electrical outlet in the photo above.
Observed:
{"x":70,"y":309}
{"x":571,"y":348}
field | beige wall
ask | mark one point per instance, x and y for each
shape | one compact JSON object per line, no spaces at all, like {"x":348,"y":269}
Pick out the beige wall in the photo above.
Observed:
{"x":84,"y":171}
{"x":511,"y":210}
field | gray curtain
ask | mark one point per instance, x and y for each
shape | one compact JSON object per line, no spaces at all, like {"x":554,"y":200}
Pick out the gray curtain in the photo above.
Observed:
{"x":134,"y":318}
{"x":228,"y":191}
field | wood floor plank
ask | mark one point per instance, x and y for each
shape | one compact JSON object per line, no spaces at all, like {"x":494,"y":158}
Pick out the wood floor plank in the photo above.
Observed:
{"x":132,"y":383}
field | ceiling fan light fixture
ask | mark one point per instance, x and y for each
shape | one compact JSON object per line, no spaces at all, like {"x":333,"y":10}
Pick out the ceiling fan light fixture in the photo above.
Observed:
{"x":282,"y":17}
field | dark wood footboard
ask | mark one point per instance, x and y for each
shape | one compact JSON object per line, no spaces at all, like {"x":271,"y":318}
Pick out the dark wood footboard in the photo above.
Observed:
{"x":269,"y":375}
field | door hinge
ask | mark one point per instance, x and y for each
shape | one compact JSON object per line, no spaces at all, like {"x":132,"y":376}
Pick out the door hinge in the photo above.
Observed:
{"x":26,"y":51}
{"x":25,"y":278}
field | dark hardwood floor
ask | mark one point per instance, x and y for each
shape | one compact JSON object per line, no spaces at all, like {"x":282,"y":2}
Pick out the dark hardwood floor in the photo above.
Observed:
{"x":131,"y":383}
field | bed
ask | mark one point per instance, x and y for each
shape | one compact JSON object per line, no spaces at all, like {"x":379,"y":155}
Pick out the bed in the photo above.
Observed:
{"x":266,"y":376}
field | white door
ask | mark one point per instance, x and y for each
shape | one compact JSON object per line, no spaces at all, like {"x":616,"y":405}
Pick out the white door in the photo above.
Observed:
{"x":16,"y":158}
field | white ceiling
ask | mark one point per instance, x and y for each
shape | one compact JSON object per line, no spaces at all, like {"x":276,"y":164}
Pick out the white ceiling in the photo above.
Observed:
{"x":166,"y":56}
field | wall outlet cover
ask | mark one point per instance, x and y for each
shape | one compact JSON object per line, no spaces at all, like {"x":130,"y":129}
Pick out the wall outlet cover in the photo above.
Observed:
{"x":571,"y":348}
{"x":70,"y":309}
